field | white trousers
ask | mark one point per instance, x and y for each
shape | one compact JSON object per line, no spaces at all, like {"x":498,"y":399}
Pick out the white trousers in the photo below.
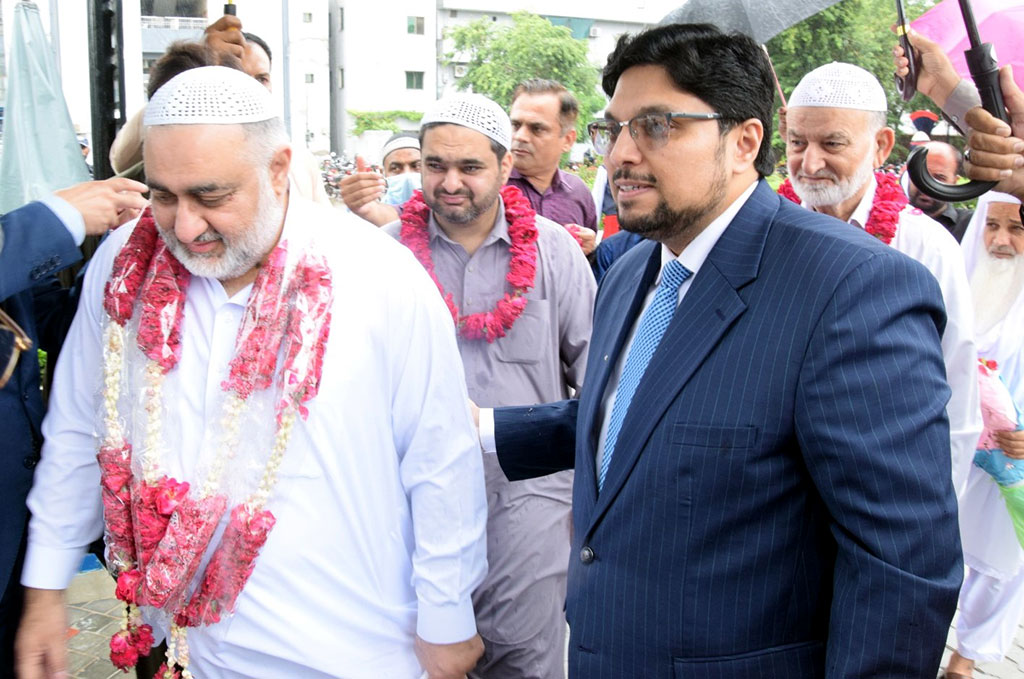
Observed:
{"x":990,"y":612}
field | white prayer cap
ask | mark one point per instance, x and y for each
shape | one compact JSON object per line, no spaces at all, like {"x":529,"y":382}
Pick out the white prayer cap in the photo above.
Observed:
{"x":400,"y":140}
{"x":210,"y":95}
{"x":839,"y":85}
{"x":474,"y":111}
{"x":972,"y":242}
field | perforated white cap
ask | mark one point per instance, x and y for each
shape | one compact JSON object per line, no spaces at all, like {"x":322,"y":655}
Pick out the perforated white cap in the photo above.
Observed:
{"x":839,"y":85}
{"x":210,"y":95}
{"x":400,"y":140}
{"x":474,"y":111}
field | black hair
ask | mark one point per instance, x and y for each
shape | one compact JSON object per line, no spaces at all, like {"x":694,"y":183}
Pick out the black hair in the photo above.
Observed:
{"x":252,"y":37}
{"x":568,"y":107}
{"x":180,"y":56}
{"x":728,"y":72}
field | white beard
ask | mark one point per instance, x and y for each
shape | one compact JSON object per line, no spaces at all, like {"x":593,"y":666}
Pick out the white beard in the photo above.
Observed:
{"x":840,"y":191}
{"x":242,"y":252}
{"x":995,"y":285}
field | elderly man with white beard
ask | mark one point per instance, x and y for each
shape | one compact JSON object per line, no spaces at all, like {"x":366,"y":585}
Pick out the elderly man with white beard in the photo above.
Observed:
{"x":836,"y":137}
{"x":279,"y":497}
{"x":992,"y":596}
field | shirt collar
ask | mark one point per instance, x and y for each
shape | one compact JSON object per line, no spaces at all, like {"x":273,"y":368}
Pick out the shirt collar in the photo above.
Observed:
{"x":558,"y":181}
{"x":498,"y":232}
{"x":863,"y":210}
{"x":696,"y":253}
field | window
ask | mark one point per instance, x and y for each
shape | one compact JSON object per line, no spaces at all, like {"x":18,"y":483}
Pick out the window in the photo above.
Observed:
{"x":309,"y":77}
{"x":414,"y":80}
{"x":341,"y":78}
{"x":307,"y":17}
{"x":453,"y":13}
{"x":341,"y":18}
{"x":416,"y":25}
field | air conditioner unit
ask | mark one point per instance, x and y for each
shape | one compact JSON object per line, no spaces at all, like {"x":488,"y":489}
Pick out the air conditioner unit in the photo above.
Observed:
{"x":460,"y":70}
{"x":594,"y":31}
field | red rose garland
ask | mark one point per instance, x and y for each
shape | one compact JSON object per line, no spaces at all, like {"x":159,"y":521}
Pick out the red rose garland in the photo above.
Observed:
{"x":884,"y":217}
{"x":522,"y":269}
{"x":156,"y":530}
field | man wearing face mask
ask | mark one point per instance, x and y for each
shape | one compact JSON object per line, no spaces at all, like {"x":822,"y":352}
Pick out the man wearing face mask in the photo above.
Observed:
{"x":378,"y":199}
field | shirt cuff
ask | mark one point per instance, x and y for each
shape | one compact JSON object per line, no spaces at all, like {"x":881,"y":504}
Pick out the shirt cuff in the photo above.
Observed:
{"x":51,"y":567}
{"x":962,"y":99}
{"x":487,"y":443}
{"x":68,"y":215}
{"x":446,"y":624}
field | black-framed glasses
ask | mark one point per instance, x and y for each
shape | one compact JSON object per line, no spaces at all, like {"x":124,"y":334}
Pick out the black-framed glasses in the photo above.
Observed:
{"x":13,"y":341}
{"x":647,"y":129}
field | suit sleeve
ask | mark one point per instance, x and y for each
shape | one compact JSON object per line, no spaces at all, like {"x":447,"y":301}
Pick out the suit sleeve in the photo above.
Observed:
{"x":35,"y":245}
{"x":872,"y":428}
{"x":536,"y":440}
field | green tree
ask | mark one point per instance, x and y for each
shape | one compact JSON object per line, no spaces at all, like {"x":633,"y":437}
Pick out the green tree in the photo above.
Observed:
{"x":500,"y":57}
{"x":854,"y":31}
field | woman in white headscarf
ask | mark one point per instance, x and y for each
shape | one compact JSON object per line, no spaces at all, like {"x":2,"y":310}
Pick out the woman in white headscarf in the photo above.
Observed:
{"x":992,"y":596}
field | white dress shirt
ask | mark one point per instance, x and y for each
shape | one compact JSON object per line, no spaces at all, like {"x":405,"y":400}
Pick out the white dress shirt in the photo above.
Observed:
{"x":922,"y":238}
{"x":692,"y":257}
{"x":380,"y":505}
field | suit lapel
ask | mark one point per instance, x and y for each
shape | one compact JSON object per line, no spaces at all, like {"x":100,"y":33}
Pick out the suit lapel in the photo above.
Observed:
{"x":625,"y":296}
{"x":709,"y":308}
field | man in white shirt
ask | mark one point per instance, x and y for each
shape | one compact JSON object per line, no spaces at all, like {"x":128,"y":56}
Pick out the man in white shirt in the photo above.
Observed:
{"x":371,"y":495}
{"x":836,"y":137}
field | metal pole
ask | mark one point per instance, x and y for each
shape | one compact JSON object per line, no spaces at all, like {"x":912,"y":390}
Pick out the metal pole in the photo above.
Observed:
{"x":286,"y":66}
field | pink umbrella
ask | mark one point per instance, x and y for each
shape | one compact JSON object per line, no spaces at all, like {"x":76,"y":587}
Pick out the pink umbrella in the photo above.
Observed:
{"x":1000,"y":22}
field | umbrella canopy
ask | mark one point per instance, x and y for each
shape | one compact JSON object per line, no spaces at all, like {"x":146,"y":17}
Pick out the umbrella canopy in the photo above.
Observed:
{"x":1000,"y":22}
{"x":762,"y":20}
{"x":40,"y":151}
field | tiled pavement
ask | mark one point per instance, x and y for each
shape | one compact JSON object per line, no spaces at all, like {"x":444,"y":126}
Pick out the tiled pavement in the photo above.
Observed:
{"x":95,"y":615}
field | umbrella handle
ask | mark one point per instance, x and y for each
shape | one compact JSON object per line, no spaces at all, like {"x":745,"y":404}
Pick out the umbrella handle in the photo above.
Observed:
{"x":984,"y":68}
{"x":907,"y":85}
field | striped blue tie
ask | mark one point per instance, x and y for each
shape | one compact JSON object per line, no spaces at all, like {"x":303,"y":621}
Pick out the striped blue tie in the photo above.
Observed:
{"x":648,"y":334}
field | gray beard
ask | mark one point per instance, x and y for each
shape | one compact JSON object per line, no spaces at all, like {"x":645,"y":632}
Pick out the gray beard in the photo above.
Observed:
{"x":842,"y":190}
{"x":244,"y":251}
{"x":995,"y":286}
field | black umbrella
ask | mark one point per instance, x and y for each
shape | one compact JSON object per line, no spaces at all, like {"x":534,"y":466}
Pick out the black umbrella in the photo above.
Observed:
{"x":984,"y":68}
{"x":762,"y":20}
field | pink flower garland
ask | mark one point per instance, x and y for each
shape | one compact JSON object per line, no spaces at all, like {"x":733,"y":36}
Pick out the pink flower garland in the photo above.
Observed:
{"x":155,"y":531}
{"x":230,"y":567}
{"x":884,"y":218}
{"x":522,"y":270}
{"x":261,"y":330}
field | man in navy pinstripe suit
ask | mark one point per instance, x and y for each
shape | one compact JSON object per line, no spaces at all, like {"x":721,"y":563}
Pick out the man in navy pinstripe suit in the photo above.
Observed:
{"x":777,"y":498}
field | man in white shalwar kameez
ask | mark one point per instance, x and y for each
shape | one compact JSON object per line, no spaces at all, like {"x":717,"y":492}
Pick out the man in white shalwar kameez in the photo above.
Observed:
{"x":836,"y":137}
{"x":992,"y":597}
{"x":377,"y":497}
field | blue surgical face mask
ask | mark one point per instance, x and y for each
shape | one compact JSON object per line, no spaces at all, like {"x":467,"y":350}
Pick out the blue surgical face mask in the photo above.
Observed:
{"x":401,"y":187}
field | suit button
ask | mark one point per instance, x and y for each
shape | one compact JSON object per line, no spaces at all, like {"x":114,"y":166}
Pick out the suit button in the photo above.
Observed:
{"x":29,"y":462}
{"x":586,"y":555}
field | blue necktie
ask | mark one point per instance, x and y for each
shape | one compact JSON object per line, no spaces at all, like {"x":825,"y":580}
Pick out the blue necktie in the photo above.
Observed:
{"x":648,"y":334}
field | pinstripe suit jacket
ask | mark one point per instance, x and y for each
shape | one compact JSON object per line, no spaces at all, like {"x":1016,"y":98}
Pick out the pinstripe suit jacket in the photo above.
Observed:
{"x":780,"y":502}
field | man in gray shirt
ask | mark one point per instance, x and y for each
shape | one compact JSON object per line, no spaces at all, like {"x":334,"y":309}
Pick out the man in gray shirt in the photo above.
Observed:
{"x":522,"y":295}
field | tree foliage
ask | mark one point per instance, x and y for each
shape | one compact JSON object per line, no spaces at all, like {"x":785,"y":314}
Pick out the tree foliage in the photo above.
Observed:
{"x":857,"y":32}
{"x":499,"y":57}
{"x":381,"y":120}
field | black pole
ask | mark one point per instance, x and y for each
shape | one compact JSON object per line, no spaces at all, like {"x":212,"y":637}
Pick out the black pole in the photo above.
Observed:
{"x":106,"y":75}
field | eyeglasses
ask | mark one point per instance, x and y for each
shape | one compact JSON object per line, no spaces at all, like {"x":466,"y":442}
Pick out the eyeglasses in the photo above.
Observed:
{"x":13,"y":341}
{"x":649,"y":130}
